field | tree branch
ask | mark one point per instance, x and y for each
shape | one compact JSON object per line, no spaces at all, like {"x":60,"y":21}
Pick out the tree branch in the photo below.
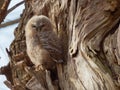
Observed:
{"x":15,"y":6}
{"x":8,"y":84}
{"x":6,"y":70}
{"x":3,"y":10}
{"x":10,"y":23}
{"x":1,"y":3}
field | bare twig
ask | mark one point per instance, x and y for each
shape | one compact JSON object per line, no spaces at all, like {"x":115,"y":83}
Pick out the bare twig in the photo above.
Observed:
{"x":3,"y":10}
{"x":15,"y":6}
{"x":10,"y":23}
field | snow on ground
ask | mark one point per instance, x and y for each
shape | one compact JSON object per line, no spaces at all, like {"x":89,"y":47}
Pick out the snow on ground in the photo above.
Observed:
{"x":6,"y":37}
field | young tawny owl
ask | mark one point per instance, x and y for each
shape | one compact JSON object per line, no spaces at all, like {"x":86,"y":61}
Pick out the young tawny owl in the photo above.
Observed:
{"x":43,"y":45}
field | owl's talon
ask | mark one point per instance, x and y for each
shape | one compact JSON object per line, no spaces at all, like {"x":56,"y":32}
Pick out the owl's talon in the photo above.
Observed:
{"x":38,"y":68}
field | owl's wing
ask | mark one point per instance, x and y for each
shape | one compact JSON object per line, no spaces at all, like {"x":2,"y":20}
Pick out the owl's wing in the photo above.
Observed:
{"x":52,"y":44}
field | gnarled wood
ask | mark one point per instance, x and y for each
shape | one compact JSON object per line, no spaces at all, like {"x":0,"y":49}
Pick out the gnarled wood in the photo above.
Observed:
{"x":89,"y":31}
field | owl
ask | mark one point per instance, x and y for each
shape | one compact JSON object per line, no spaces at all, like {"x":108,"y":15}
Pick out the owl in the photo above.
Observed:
{"x":43,"y":44}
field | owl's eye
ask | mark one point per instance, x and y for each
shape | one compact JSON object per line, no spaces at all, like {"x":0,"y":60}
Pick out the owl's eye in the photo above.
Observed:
{"x":34,"y":26}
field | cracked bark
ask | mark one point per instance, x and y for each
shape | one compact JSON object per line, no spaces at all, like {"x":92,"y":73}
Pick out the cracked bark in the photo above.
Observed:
{"x":90,"y":35}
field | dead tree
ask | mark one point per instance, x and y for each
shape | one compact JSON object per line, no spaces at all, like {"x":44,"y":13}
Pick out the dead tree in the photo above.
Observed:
{"x":90,"y":34}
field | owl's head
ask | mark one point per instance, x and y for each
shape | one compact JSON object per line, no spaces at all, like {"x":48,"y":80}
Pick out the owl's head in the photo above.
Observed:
{"x":39,"y":23}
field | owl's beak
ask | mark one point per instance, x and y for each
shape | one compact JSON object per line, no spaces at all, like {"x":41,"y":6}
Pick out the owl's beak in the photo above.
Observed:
{"x":41,"y":26}
{"x":38,"y":28}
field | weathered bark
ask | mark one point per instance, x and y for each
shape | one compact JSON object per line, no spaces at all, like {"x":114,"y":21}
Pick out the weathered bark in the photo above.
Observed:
{"x":89,"y":32}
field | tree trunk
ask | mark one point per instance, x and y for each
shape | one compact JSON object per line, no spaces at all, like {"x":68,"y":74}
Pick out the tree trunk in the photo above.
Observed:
{"x":89,"y":33}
